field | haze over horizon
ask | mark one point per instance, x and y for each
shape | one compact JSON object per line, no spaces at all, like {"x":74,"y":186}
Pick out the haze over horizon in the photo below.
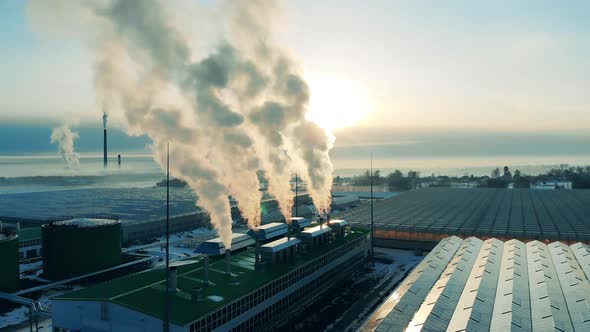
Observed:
{"x":453,"y":79}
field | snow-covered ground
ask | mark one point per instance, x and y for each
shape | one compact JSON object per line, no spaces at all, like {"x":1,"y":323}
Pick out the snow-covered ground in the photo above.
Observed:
{"x":20,"y":314}
{"x":370,"y":289}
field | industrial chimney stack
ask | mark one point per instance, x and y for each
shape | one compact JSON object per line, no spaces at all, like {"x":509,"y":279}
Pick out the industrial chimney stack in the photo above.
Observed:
{"x":104,"y":127}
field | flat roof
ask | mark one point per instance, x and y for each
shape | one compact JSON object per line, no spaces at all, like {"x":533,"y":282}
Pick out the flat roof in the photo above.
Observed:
{"x":504,"y":213}
{"x":338,"y":222}
{"x":269,"y":231}
{"x":280,"y":244}
{"x":138,"y":291}
{"x":315,"y":231}
{"x":491,"y":285}
{"x":216,"y":247}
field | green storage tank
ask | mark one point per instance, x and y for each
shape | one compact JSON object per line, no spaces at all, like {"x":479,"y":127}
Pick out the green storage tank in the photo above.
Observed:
{"x":78,"y":246}
{"x":9,"y":277}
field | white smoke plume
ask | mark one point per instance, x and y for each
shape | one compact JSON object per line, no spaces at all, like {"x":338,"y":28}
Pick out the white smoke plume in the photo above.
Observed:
{"x":64,"y":138}
{"x":227,"y":111}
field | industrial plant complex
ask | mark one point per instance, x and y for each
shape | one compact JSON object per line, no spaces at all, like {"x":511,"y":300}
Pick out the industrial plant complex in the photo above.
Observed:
{"x":244,"y":291}
{"x":487,"y":259}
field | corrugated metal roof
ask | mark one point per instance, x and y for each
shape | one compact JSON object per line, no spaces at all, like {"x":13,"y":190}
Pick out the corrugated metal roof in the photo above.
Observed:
{"x":411,"y":293}
{"x":474,"y":310}
{"x":492,"y":286}
{"x":437,"y":309}
{"x":512,"y":310}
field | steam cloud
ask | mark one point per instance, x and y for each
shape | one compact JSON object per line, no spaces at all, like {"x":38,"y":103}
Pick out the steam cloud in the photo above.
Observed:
{"x":64,"y":137}
{"x":227,"y":110}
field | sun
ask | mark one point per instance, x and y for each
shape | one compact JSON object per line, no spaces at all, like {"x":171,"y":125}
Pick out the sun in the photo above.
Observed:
{"x":336,"y":102}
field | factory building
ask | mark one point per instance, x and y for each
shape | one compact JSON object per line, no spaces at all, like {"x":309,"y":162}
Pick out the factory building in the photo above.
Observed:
{"x":340,"y":203}
{"x":237,"y":293}
{"x":419,"y":219}
{"x":78,"y":246}
{"x":491,"y":285}
{"x":9,"y":277}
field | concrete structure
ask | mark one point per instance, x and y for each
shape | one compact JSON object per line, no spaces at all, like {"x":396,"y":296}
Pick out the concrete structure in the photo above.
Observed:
{"x":299,"y":223}
{"x":246,"y":300}
{"x":9,"y":277}
{"x":269,"y":231}
{"x":315,"y":236}
{"x":215,"y":247}
{"x":279,"y":250}
{"x":432,"y":214}
{"x":78,"y":246}
{"x":340,"y":226}
{"x":476,"y":285}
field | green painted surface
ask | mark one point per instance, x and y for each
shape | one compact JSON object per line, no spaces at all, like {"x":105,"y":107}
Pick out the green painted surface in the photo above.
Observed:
{"x":70,"y":251}
{"x":142,"y":291}
{"x":9,"y":274}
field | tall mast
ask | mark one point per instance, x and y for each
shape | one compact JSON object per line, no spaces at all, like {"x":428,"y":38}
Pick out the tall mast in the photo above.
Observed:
{"x":372,"y":223}
{"x":167,"y":292}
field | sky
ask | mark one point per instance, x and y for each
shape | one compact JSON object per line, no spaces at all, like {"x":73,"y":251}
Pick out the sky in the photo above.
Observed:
{"x":431,"y":66}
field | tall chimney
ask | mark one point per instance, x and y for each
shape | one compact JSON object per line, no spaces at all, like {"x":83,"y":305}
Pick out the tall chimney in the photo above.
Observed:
{"x":227,"y":262}
{"x":104,"y":127}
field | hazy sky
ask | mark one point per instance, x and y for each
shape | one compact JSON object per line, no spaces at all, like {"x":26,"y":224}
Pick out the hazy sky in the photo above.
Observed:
{"x":500,"y":65}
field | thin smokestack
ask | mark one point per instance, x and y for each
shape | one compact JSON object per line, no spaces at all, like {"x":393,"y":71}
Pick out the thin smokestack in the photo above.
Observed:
{"x":228,"y":262}
{"x":104,"y":127}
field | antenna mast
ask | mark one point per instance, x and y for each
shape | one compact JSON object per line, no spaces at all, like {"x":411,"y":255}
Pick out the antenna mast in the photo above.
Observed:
{"x":167,"y":292}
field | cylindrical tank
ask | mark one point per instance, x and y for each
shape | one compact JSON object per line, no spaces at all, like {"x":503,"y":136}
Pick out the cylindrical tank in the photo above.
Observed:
{"x":9,"y":277}
{"x":79,"y":246}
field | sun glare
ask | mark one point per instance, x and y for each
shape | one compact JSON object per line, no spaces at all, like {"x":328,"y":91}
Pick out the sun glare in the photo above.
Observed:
{"x":336,"y":102}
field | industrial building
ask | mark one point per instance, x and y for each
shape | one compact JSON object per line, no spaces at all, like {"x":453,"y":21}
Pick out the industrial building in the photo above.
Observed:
{"x":139,"y":209}
{"x":9,"y":277}
{"x":429,"y":215}
{"x":476,"y":285}
{"x":344,"y":202}
{"x":78,"y":246}
{"x":256,"y":289}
